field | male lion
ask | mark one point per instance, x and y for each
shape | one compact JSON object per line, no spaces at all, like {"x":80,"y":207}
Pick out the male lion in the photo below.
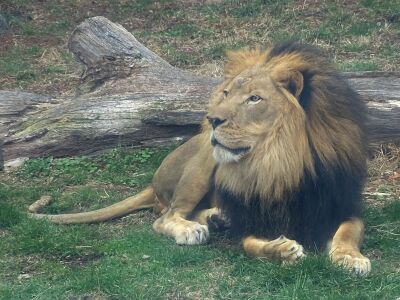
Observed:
{"x":282,"y":155}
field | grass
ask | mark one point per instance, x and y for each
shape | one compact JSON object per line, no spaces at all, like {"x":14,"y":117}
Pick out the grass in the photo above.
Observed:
{"x":359,"y":35}
{"x":125,"y":259}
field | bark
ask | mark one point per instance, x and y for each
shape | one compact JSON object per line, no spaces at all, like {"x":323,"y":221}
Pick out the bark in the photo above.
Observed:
{"x":137,"y":98}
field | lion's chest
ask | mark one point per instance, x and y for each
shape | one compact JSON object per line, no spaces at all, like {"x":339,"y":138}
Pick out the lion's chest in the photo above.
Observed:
{"x":310,"y":215}
{"x":292,"y":217}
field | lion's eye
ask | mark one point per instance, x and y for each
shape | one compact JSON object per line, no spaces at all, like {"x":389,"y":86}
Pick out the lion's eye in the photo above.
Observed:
{"x":254,"y":99}
{"x":226,"y":93}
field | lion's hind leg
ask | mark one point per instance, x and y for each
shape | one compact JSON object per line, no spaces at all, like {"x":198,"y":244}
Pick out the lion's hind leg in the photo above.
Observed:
{"x":281,"y":249}
{"x":344,"y":249}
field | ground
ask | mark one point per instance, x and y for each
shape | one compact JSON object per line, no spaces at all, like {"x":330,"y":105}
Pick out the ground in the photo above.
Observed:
{"x":359,"y":35}
{"x":125,"y":258}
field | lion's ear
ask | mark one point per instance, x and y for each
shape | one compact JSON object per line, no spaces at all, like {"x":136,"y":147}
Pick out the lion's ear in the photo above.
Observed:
{"x":292,"y":80}
{"x":239,"y":60}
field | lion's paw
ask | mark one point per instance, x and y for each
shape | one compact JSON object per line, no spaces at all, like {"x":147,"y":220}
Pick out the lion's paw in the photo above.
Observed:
{"x":350,"y":259}
{"x":192,"y":233}
{"x":218,"y":221}
{"x":286,"y":250}
{"x":183,"y":231}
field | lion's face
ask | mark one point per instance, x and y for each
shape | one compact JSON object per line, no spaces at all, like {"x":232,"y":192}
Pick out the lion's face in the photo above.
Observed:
{"x":244,"y":111}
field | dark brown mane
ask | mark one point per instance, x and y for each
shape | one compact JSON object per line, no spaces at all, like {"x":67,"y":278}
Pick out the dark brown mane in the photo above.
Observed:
{"x":335,"y":112}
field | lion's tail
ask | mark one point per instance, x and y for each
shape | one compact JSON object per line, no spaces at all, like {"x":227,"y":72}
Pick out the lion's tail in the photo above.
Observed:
{"x":145,"y":199}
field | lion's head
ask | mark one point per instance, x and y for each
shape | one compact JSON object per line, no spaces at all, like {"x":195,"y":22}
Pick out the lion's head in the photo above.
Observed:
{"x":276,"y":112}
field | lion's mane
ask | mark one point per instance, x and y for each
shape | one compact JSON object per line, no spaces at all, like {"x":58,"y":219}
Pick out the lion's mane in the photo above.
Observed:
{"x":325,"y":155}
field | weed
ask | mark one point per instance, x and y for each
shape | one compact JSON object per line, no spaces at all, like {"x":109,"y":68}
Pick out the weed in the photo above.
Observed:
{"x":9,"y":215}
{"x":17,"y":63}
{"x":187,"y":30}
{"x":54,"y":70}
{"x":179,"y":57}
{"x":218,"y":51}
{"x":353,"y":47}
{"x":74,"y":171}
{"x":358,"y":66}
{"x":363,"y":28}
{"x":34,"y":168}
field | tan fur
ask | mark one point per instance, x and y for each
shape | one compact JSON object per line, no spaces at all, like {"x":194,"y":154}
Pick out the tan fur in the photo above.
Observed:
{"x":280,"y":249}
{"x":272,"y":142}
{"x":241,"y":60}
{"x":322,"y":126}
{"x":284,"y":151}
{"x":345,"y":247}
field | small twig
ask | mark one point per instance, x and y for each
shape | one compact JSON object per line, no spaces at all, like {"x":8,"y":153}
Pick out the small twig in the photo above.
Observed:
{"x":376,"y":194}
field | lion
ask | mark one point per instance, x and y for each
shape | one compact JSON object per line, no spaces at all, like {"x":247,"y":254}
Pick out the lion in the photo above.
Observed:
{"x":281,"y":159}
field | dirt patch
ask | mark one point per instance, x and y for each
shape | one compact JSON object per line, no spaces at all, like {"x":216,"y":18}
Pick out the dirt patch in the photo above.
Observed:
{"x":142,"y":217}
{"x":79,"y":260}
{"x":7,"y":42}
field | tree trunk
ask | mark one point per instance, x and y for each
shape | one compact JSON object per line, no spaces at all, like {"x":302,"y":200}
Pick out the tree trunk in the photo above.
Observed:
{"x":137,"y":98}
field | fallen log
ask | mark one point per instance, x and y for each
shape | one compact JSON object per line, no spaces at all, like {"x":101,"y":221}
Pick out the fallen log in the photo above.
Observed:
{"x":137,"y":98}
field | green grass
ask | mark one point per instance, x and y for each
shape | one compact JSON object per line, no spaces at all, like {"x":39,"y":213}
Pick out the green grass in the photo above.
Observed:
{"x":217,"y":51}
{"x":125,"y":259}
{"x":16,"y":63}
{"x":188,"y":30}
{"x":9,"y":215}
{"x":358,"y":66}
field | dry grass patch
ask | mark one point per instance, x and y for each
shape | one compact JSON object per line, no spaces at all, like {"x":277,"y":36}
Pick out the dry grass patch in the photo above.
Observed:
{"x":383,"y":184}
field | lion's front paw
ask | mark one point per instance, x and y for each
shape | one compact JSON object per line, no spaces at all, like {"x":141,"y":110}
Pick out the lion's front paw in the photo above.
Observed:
{"x":185,"y":232}
{"x":191,"y":233}
{"x":285,"y":250}
{"x":350,"y":259}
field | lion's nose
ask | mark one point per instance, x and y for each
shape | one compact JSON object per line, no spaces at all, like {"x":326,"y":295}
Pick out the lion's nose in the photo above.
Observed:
{"x":215,"y":122}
